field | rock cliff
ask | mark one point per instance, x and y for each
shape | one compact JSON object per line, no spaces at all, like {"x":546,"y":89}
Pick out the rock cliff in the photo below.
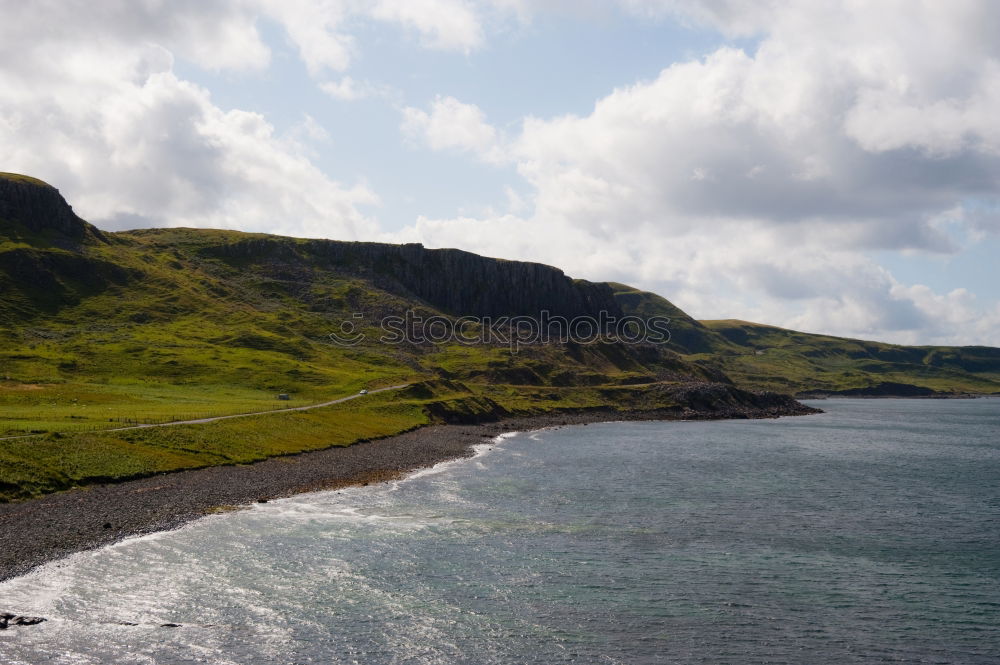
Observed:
{"x":39,"y":207}
{"x":451,"y":280}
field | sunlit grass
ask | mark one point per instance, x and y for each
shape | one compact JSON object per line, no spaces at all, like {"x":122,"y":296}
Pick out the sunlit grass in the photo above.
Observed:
{"x":36,"y":465}
{"x":84,"y":407}
{"x":58,"y":461}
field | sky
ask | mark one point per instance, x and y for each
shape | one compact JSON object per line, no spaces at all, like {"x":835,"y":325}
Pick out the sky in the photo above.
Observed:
{"x":830,"y":167}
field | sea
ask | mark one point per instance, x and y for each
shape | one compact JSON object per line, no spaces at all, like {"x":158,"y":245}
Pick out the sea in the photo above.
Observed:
{"x":869,"y":533}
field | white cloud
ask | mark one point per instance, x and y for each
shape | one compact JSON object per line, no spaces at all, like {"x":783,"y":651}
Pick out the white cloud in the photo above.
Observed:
{"x":346,"y":89}
{"x":443,"y":24}
{"x":131,"y":144}
{"x":453,"y":125}
{"x":323,"y":29}
{"x":954,"y":317}
{"x":882,"y":121}
{"x":316,"y":28}
{"x":92,"y":103}
{"x":349,"y":89}
{"x":214,"y":35}
{"x":753,"y":184}
{"x":739,"y":184}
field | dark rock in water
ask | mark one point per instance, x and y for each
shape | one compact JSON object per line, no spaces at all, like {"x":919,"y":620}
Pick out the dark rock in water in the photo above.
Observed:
{"x":107,"y":525}
{"x":883,"y":389}
{"x":7,"y":620}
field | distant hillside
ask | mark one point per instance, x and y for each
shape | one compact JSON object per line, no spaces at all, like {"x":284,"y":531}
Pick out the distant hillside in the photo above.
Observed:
{"x":766,"y":357}
{"x":788,"y":361}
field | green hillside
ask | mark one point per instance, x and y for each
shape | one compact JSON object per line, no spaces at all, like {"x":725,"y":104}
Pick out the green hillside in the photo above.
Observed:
{"x":765,"y":357}
{"x":155,"y":325}
{"x":687,"y":336}
{"x":103,"y":330}
{"x":100,"y":331}
{"x":773,"y":358}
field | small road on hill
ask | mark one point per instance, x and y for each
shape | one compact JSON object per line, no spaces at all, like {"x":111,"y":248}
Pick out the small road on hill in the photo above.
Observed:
{"x":200,"y":421}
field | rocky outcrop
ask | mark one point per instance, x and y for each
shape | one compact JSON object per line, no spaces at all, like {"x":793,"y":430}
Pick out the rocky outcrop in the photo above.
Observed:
{"x":689,"y":400}
{"x":450,"y":280}
{"x":7,"y":620}
{"x":49,"y":265}
{"x":40,"y":207}
{"x":964,"y":359}
{"x":463,"y":283}
{"x":884,"y":389}
{"x":701,"y":400}
{"x":720,"y":400}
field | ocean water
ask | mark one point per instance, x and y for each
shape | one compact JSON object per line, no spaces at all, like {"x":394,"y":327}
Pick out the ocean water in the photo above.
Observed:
{"x":867,"y":534}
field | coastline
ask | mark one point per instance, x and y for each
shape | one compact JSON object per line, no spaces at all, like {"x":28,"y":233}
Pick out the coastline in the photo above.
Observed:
{"x":37,"y":531}
{"x":822,"y":396}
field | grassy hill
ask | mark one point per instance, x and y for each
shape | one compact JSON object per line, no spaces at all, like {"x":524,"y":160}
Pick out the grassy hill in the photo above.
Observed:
{"x":102,"y":330}
{"x":766,"y":357}
{"x":773,"y":358}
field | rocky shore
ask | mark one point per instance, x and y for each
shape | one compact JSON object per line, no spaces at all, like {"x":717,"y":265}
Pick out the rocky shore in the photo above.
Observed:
{"x":39,"y":530}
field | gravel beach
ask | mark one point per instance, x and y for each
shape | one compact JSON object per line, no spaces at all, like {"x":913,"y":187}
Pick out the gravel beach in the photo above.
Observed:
{"x":38,"y":530}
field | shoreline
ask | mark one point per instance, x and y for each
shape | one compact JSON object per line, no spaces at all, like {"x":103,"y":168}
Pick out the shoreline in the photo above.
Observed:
{"x":40,"y":530}
{"x":822,"y":396}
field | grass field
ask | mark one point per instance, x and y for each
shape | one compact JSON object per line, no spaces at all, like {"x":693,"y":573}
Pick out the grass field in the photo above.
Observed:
{"x":72,"y":407}
{"x":37,"y":465}
{"x":58,"y":461}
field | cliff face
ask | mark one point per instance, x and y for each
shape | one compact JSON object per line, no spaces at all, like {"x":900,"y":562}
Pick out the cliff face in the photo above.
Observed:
{"x":48,"y":266}
{"x":451,"y":280}
{"x":40,"y":207}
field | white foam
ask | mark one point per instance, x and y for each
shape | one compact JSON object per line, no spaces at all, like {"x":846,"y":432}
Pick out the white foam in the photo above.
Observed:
{"x":478,"y":450}
{"x":41,"y":588}
{"x":47,"y":583}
